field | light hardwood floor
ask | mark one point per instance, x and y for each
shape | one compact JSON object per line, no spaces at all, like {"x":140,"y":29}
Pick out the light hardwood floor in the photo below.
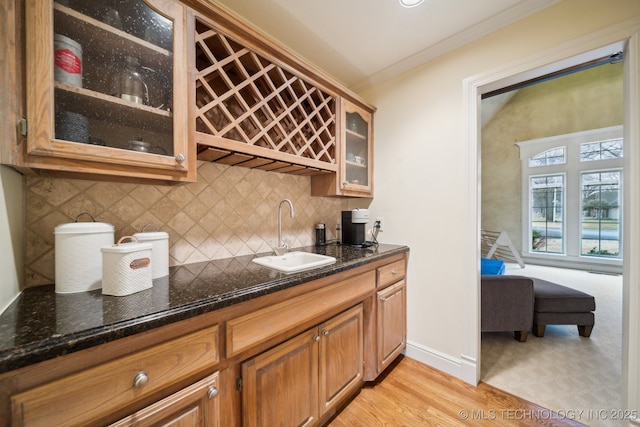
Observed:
{"x":411,"y":394}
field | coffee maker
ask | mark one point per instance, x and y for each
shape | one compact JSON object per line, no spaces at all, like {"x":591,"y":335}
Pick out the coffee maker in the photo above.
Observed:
{"x":353,"y":227}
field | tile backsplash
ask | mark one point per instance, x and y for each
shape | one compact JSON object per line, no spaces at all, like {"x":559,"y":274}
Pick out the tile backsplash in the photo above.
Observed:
{"x":229,"y":211}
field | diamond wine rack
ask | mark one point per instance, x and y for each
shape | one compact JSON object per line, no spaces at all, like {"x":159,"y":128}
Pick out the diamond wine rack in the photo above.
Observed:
{"x":254,"y":113}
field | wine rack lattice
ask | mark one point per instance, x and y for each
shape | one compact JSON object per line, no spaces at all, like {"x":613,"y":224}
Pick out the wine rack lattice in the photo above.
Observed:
{"x":255,"y":109}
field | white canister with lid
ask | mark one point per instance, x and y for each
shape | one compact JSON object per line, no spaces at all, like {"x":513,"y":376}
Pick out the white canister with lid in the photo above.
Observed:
{"x":126,"y":267}
{"x":78,"y":261}
{"x":160,"y":252}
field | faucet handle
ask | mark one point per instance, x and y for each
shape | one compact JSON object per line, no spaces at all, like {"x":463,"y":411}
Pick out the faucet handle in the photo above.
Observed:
{"x":281,"y":250}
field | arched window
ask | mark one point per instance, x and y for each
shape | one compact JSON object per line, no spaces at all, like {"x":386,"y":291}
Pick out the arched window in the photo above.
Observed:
{"x":555,"y":156}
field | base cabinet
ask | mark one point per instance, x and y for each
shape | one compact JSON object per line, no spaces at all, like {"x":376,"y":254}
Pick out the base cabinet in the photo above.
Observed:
{"x":288,"y":358}
{"x":391,"y":319}
{"x":299,"y":381}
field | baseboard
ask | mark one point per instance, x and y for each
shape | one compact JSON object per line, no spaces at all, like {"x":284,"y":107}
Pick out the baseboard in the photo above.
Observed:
{"x":463,"y":368}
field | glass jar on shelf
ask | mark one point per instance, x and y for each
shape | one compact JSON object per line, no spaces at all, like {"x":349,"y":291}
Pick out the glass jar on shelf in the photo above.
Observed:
{"x":129,"y":85}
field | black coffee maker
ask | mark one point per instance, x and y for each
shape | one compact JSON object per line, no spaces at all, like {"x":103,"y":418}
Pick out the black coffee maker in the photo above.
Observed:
{"x":354,"y":224}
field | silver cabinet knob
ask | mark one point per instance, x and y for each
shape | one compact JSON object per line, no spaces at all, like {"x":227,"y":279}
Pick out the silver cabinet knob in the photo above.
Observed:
{"x":141,"y":379}
{"x":325,"y":332}
{"x":212,"y":392}
{"x":180,"y":158}
{"x":316,"y":337}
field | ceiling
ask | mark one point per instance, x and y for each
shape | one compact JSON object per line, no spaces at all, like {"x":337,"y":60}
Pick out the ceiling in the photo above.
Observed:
{"x":364,"y":42}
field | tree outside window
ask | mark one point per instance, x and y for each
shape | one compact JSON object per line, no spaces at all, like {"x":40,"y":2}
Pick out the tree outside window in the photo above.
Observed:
{"x":601,"y":209}
{"x":547,"y":213}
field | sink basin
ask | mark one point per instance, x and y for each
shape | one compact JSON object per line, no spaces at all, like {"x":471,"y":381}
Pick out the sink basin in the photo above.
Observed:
{"x":292,"y":262}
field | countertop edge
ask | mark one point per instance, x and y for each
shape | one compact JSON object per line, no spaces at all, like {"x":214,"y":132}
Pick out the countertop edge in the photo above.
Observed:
{"x":58,"y":345}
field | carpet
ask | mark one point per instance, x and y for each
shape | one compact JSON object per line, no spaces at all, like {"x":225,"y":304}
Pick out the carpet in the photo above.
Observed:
{"x":569,"y":374}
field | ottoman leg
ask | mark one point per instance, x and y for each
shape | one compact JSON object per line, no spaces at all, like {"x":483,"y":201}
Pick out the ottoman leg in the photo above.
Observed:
{"x":538,"y":330}
{"x":520,"y":335}
{"x":585,"y":330}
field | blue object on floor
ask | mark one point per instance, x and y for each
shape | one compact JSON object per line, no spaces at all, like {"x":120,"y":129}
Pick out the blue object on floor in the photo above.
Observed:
{"x":491,"y":267}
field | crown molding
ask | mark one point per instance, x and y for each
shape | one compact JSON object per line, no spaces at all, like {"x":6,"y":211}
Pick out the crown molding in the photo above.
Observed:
{"x":488,"y":26}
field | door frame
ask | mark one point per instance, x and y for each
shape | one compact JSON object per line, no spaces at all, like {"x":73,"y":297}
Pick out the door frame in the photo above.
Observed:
{"x":627,"y":36}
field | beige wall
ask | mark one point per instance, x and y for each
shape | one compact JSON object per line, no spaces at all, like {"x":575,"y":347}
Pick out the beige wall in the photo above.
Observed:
{"x":587,"y":100}
{"x":11,"y":234}
{"x":421,"y":156}
{"x":229,"y":211}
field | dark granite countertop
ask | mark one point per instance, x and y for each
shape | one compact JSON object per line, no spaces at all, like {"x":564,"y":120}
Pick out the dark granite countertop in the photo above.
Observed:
{"x":41,"y":325}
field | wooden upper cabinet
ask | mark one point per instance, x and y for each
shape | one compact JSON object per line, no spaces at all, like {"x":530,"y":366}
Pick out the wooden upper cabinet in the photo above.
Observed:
{"x":254,"y":111}
{"x":355,"y":155}
{"x":107,"y":89}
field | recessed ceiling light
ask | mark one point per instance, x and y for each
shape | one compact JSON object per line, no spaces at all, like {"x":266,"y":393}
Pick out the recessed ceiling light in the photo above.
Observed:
{"x":410,"y":3}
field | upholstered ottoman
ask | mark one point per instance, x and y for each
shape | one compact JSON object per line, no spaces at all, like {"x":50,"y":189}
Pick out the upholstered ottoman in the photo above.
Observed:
{"x":559,"y":305}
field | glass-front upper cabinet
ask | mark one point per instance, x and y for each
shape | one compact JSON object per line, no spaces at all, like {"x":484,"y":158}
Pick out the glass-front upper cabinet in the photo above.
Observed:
{"x":357,"y":141}
{"x":354,"y":177}
{"x":106,"y":88}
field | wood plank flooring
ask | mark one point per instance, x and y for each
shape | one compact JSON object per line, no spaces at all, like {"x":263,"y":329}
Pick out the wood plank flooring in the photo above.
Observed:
{"x":411,"y":394}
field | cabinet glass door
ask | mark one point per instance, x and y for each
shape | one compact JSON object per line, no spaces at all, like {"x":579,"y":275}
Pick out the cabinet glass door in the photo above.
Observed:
{"x":102,"y":77}
{"x":113,"y":68}
{"x":357,"y":148}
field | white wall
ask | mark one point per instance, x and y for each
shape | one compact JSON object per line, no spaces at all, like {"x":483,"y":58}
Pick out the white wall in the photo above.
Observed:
{"x":11,"y":234}
{"x":422,"y":164}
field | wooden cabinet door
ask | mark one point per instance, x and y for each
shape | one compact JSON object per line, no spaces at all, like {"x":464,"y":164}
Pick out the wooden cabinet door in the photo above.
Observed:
{"x":392,"y":323}
{"x":341,"y":356}
{"x":355,"y":155}
{"x":280,"y":386}
{"x":196,"y":405}
{"x":89,"y":124}
{"x":356,"y":150}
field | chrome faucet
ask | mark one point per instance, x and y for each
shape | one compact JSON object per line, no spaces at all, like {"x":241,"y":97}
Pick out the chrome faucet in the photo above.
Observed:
{"x":281,"y":249}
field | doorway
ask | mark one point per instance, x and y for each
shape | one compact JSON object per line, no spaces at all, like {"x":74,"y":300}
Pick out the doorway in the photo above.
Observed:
{"x":572,"y":53}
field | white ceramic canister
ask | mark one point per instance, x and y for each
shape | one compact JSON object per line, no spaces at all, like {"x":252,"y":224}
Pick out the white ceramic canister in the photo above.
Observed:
{"x":126,"y":267}
{"x":67,"y":54}
{"x":78,"y":261}
{"x":160,"y":252}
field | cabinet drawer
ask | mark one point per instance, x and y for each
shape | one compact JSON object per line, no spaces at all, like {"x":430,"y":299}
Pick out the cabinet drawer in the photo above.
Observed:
{"x":391,"y":273}
{"x":195,"y":405}
{"x":246,"y":331}
{"x":86,"y":396}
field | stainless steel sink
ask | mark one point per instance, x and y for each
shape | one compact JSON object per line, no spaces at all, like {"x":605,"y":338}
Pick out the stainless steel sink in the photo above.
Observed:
{"x":292,"y":262}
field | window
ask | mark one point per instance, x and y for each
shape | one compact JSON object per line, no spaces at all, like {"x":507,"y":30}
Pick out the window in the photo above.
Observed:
{"x":600,"y":230}
{"x":547,"y":214}
{"x":601,"y":150}
{"x":572,"y":197}
{"x":554,"y":156}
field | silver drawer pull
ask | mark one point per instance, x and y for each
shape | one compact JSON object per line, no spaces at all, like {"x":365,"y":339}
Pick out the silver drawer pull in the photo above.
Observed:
{"x":394,"y":273}
{"x":141,"y":379}
{"x":212,"y":392}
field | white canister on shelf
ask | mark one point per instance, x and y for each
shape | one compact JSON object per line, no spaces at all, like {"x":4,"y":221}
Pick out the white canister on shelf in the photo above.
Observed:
{"x":160,"y":252}
{"x":67,"y":55}
{"x":126,"y":267}
{"x":78,"y":261}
